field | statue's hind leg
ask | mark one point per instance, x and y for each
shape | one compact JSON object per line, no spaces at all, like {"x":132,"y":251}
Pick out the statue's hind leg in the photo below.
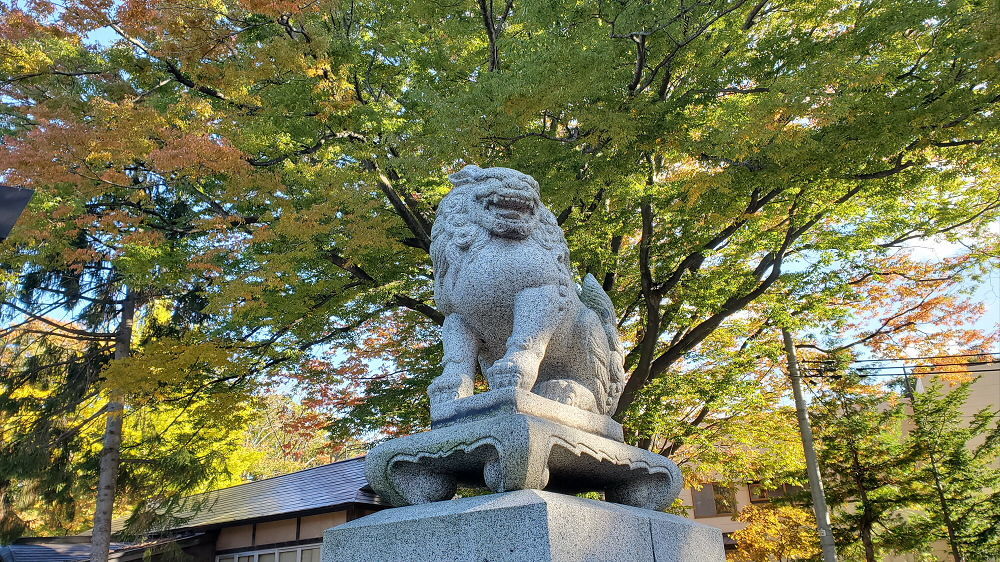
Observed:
{"x":574,"y":371}
{"x":569,"y":392}
{"x":538,"y":313}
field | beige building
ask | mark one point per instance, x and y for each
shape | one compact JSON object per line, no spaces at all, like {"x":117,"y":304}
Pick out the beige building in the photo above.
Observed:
{"x":985,"y":391}
{"x":717,"y":504}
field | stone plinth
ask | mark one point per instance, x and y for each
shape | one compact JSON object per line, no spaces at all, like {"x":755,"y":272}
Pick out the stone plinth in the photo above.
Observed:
{"x":527,"y":525}
{"x":507,"y":440}
{"x":512,"y":400}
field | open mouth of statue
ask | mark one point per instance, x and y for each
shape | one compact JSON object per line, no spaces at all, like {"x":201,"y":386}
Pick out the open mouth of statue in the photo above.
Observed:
{"x":510,"y":205}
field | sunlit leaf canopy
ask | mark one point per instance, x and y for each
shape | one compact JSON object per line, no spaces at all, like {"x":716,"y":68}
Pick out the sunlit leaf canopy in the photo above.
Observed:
{"x":270,"y":170}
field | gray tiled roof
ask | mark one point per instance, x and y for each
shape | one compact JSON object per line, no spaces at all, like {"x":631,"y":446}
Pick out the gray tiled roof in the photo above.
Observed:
{"x":311,"y":489}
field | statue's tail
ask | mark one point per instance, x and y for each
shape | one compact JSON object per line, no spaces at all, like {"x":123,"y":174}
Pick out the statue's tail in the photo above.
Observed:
{"x":594,"y":297}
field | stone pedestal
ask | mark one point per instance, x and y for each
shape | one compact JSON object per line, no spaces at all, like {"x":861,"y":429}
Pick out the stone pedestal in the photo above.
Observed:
{"x":508,"y":439}
{"x":522,"y":526}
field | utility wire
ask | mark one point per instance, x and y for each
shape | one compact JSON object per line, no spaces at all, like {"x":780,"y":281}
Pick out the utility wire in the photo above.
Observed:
{"x":821,"y":375}
{"x":815,"y":372}
{"x":969,"y":364}
{"x":902,"y":359}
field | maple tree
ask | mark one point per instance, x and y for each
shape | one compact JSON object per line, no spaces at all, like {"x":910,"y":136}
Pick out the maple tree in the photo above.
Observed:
{"x":268,"y":171}
{"x":286,"y":436}
{"x":776,"y":532}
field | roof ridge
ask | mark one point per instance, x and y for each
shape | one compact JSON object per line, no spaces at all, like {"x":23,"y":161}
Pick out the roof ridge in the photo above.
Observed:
{"x":275,"y":477}
{"x":229,"y":503}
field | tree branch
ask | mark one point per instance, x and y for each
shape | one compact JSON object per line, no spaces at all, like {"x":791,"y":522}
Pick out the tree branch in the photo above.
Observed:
{"x":175,"y":71}
{"x":81,"y":334}
{"x":310,"y":149}
{"x":414,"y":221}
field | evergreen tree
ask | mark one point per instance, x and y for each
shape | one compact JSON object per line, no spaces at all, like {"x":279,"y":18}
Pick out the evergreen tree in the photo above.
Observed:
{"x":959,"y":474}
{"x":867,"y":469}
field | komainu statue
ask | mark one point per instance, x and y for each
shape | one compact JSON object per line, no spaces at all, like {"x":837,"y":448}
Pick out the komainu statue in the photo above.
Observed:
{"x":550,"y":354}
{"x":503,"y":282}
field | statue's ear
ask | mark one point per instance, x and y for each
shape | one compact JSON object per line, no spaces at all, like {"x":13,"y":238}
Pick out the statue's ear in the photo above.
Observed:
{"x":534,"y":185}
{"x":466,"y":175}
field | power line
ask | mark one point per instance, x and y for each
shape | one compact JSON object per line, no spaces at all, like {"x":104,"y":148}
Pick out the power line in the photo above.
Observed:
{"x":820,"y":375}
{"x":969,"y":364}
{"x":902,"y":359}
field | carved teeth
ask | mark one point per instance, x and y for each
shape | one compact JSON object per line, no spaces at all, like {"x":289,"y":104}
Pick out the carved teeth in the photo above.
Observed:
{"x":511,"y":203}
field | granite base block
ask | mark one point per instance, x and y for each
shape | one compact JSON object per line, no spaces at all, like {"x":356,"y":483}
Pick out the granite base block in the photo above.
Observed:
{"x":525,"y":525}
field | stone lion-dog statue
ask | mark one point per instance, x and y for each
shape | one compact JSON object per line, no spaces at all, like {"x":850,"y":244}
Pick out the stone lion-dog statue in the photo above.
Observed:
{"x":511,"y":306}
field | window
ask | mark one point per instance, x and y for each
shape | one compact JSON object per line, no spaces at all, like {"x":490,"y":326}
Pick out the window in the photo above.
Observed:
{"x":714,"y":499}
{"x":760,"y":494}
{"x":309,"y":553}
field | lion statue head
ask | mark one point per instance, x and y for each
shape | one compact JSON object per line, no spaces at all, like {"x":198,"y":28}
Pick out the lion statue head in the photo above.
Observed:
{"x":503,"y":201}
{"x":491,"y":202}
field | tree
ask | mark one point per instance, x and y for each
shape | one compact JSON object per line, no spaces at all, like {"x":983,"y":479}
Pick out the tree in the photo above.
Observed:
{"x":867,"y":470}
{"x":108,"y":259}
{"x":39,"y":467}
{"x":171,"y":445}
{"x":776,"y":532}
{"x":285,"y":436}
{"x":960,"y":481}
{"x":715,"y":164}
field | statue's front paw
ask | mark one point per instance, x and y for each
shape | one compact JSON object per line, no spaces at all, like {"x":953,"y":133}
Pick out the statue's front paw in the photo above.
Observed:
{"x":503,"y":373}
{"x":443,"y":389}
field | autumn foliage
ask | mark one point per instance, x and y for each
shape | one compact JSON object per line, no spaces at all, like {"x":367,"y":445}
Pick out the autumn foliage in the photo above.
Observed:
{"x":262,"y":176}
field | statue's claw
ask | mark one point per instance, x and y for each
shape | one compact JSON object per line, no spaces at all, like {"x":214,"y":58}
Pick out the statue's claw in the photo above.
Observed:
{"x":445,"y":388}
{"x":504,"y":373}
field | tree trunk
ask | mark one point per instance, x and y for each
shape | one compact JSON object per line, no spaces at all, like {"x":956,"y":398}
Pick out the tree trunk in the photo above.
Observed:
{"x":867,"y":519}
{"x":949,"y":524}
{"x":100,"y":540}
{"x":866,"y":540}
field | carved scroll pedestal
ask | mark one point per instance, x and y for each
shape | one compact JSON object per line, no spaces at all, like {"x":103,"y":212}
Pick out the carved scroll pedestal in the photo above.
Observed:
{"x":507,"y":440}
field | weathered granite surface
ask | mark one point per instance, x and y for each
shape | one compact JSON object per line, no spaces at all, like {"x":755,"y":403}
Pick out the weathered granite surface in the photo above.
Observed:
{"x":522,"y":526}
{"x":507,"y":440}
{"x":512,"y":400}
{"x":503,"y":281}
